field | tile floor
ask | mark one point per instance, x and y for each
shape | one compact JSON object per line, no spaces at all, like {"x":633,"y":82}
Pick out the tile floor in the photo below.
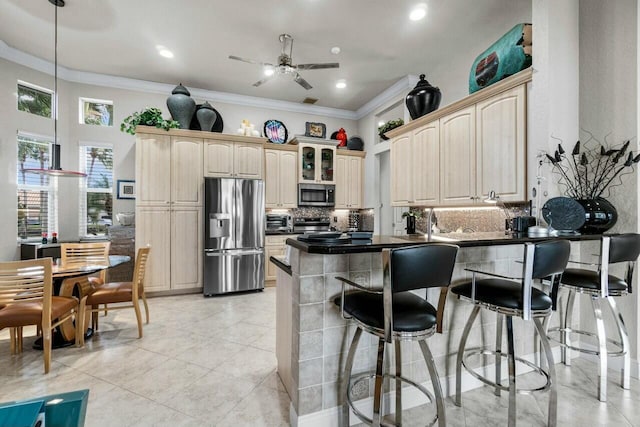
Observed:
{"x":211,"y":362}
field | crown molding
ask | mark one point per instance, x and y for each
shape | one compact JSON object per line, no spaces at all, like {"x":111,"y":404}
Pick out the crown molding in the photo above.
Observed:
{"x":390,"y":94}
{"x":83,"y":77}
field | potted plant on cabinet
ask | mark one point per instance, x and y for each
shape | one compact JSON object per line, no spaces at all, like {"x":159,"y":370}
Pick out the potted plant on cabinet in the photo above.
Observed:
{"x":148,"y":117}
{"x":391,"y":124}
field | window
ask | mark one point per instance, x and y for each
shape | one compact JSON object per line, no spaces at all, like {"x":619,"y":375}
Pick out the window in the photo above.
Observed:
{"x":34,"y":99}
{"x":37,"y":194}
{"x":96,"y":191}
{"x":96,"y":112}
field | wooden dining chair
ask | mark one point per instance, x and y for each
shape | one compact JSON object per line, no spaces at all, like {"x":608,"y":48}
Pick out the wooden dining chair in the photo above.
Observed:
{"x":123,"y":294}
{"x":88,"y":253}
{"x":26,"y":297}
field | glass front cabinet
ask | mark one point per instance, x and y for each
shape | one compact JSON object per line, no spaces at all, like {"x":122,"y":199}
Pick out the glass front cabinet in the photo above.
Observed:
{"x":317,"y":163}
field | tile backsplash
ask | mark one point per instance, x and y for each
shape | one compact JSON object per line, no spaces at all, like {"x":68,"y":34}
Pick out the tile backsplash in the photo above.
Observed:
{"x":340,"y":218}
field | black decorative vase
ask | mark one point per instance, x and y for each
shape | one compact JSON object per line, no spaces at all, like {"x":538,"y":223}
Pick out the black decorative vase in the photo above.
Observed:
{"x":206,"y":116}
{"x":600,"y":215}
{"x":423,"y":99}
{"x":411,"y":225}
{"x":181,"y":106}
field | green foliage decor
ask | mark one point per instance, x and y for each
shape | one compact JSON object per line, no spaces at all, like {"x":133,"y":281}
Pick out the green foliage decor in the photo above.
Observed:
{"x":147,"y":117}
{"x":391,"y":124}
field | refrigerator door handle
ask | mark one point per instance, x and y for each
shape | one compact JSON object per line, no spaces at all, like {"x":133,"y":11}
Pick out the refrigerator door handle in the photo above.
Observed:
{"x":235,"y":252}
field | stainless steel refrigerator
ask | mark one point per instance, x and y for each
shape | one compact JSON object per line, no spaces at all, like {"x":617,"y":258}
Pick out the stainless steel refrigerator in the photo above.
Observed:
{"x":234,"y":235}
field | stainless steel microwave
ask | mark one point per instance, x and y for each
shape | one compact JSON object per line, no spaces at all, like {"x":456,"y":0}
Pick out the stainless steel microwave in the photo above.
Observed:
{"x":316,"y":195}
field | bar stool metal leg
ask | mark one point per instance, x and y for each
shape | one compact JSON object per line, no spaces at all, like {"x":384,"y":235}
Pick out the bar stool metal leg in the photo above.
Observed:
{"x":344,"y":384}
{"x":602,"y":345}
{"x":511,"y":361}
{"x":624,"y":339}
{"x":499,"y":319}
{"x":566,"y":333}
{"x":398,"y":356}
{"x":435,"y":382}
{"x":463,"y":342}
{"x":551,"y":370}
{"x":377,"y":393}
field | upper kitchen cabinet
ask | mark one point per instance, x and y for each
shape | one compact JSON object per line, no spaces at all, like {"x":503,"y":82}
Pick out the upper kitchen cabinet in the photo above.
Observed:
{"x":153,"y":165}
{"x":317,"y":163}
{"x":281,"y":174}
{"x":457,"y":157}
{"x":459,"y":154}
{"x":186,"y":171}
{"x":233,"y":156}
{"x":500,"y":145}
{"x":349,"y":179}
{"x":415,"y":167}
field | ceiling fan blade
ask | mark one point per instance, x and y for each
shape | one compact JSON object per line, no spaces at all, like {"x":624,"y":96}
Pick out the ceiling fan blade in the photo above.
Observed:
{"x":302,"y":82}
{"x":317,"y":66}
{"x":250,"y":61}
{"x":260,"y":82}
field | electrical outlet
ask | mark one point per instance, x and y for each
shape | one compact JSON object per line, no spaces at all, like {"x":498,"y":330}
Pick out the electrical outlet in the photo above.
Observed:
{"x":335,"y":219}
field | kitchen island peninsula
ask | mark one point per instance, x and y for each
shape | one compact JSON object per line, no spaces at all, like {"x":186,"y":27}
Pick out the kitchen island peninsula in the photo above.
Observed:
{"x":312,"y":338}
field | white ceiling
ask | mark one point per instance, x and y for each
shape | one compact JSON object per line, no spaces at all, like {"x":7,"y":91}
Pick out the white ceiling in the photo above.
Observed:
{"x":379,"y":43}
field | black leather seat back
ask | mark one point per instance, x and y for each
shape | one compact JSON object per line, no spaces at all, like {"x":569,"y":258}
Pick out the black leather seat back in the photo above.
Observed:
{"x":551,"y":257}
{"x":625,"y":247}
{"x":425,"y":266}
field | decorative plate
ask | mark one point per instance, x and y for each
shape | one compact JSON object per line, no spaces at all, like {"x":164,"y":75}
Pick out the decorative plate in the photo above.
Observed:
{"x":563,"y":213}
{"x":315,"y":130}
{"x":276,"y":132}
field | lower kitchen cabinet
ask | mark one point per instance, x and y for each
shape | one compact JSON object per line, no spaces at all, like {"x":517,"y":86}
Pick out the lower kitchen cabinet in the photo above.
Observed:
{"x":186,"y":248}
{"x":152,"y":229}
{"x":274,"y":246}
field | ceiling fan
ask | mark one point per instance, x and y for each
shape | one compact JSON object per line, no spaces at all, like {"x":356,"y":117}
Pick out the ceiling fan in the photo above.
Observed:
{"x":285,"y":66}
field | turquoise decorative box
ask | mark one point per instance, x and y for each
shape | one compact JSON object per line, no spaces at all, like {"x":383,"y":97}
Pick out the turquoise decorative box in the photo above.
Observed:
{"x":507,"y":56}
{"x":61,"y":410}
{"x":21,"y":414}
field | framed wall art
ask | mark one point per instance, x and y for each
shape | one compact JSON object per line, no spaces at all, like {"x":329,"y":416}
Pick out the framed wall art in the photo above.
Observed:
{"x":315,"y":130}
{"x":126,"y":189}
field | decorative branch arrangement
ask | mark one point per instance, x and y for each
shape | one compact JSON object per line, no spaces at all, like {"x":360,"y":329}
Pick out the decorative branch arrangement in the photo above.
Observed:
{"x":587,"y":173}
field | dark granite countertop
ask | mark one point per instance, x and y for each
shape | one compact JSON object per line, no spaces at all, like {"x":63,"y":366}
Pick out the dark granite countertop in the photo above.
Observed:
{"x":461,"y":239}
{"x":281,"y":264}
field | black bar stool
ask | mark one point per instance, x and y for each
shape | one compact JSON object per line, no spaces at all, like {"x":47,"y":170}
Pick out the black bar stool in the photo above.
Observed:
{"x":509,"y":298}
{"x":394,"y":314}
{"x":600,"y":285}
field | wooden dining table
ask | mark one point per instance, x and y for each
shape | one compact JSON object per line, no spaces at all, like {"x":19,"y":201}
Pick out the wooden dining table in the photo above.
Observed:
{"x":73,"y":280}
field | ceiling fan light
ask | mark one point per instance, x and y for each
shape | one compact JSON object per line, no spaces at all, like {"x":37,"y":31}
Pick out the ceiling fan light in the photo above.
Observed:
{"x":269,"y":71}
{"x":341,"y":84}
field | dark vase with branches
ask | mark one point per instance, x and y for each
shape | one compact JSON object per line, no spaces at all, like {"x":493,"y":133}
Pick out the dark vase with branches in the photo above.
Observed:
{"x":588,"y":174}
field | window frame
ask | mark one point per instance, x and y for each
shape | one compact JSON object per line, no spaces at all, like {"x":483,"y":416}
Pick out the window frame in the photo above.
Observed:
{"x":82,"y":100}
{"x":51,"y":188}
{"x":84,"y":189}
{"x":39,"y":89}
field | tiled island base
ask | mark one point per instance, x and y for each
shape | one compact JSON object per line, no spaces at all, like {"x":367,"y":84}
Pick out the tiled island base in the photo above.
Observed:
{"x":313,"y":339}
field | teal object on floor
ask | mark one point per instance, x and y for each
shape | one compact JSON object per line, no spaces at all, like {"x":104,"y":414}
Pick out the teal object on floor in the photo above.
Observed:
{"x":20,"y":414}
{"x":61,"y":410}
{"x":505,"y":57}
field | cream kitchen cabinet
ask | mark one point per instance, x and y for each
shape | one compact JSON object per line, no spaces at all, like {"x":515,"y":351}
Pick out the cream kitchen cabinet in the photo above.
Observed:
{"x":168,"y":215}
{"x":274,"y":246}
{"x":317,"y":163}
{"x":458,"y":157}
{"x":500,"y":145}
{"x":235,"y":159}
{"x":281,"y":171}
{"x":415,"y":167}
{"x":349,"y":180}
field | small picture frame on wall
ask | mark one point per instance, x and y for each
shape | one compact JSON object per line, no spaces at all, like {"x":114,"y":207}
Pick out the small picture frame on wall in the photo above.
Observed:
{"x":315,"y":130}
{"x":126,"y":189}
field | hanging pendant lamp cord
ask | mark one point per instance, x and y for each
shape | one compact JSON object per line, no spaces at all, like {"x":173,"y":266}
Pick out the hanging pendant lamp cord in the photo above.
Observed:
{"x":55,"y":81}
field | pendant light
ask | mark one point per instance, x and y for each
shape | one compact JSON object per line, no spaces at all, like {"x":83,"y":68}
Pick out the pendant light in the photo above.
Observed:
{"x":54,"y":168}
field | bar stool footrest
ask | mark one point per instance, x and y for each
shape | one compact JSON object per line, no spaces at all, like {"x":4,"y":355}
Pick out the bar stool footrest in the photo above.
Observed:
{"x":488,"y":352}
{"x":370,"y":374}
{"x":558,"y":340}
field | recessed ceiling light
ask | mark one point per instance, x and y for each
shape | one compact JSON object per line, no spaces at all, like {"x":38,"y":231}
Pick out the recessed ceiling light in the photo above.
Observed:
{"x":381,"y":123}
{"x":335,"y":50}
{"x":165,"y":53}
{"x":268,"y":71}
{"x":418,"y":12}
{"x":341,"y":84}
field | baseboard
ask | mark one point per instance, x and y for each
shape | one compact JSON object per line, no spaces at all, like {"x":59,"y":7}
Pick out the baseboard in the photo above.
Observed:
{"x":411,"y":397}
